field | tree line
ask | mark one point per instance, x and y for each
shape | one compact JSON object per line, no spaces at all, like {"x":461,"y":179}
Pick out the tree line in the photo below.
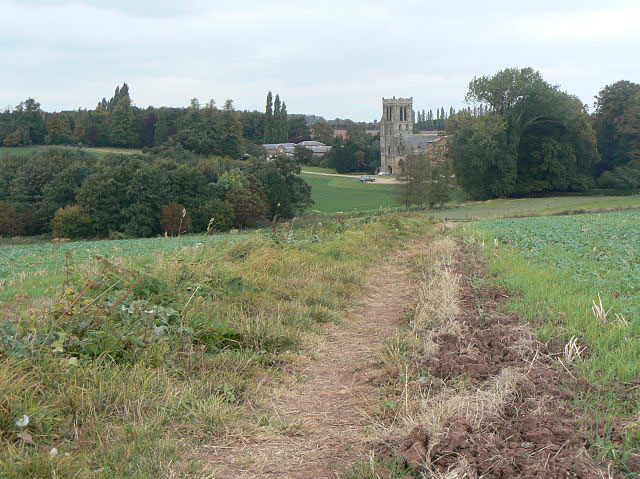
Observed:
{"x":162,"y":191}
{"x":117,"y":122}
{"x":533,"y":137}
{"x":426,"y":120}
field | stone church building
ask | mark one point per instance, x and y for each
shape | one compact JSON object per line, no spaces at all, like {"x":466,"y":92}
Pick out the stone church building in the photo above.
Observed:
{"x":397,"y":139}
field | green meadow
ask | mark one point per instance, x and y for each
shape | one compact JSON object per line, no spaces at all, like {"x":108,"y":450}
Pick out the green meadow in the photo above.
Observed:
{"x":335,"y":193}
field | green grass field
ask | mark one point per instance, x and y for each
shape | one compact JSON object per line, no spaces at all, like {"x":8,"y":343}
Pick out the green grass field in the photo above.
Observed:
{"x":333,"y":194}
{"x":579,"y":277}
{"x":318,"y":169}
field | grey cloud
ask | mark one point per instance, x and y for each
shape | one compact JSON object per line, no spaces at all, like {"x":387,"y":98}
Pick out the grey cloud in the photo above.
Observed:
{"x":334,"y":58}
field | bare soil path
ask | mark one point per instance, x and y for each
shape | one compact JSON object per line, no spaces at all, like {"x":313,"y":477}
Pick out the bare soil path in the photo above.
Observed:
{"x":327,"y":399}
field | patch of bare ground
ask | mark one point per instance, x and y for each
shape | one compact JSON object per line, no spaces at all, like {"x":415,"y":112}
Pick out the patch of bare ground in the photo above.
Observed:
{"x":495,"y":403}
{"x":321,"y":406}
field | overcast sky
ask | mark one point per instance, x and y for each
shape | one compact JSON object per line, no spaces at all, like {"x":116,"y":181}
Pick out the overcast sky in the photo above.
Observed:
{"x":334,"y":58}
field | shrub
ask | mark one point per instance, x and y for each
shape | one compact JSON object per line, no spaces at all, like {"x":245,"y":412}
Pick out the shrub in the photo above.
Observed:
{"x":71,"y":222}
{"x":249,"y":209}
{"x":15,"y":138}
{"x":219,"y":215}
{"x":175,"y":219}
{"x":10,"y":223}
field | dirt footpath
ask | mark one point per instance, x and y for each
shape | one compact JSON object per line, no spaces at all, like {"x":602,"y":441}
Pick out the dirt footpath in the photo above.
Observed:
{"x":323,"y":406}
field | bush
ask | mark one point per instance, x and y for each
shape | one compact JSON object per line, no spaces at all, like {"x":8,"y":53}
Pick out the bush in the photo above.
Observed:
{"x":15,"y":138}
{"x":71,"y":222}
{"x":610,"y":192}
{"x":175,"y":219}
{"x":219,"y":215}
{"x":249,"y":209}
{"x":10,"y":223}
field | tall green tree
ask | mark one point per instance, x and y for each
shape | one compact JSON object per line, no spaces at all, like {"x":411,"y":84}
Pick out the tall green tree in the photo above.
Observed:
{"x":58,"y":129}
{"x":298,"y":128}
{"x":268,"y":119}
{"x":284,"y":123}
{"x":166,"y":125}
{"x":617,"y":125}
{"x":545,"y":130}
{"x":103,"y":194}
{"x":122,"y":116}
{"x":322,"y":132}
{"x":144,"y":201}
{"x":29,"y":122}
{"x":410,"y":188}
{"x":277,"y":120}
{"x":288,"y":194}
{"x":485,"y":164}
{"x":230,"y":141}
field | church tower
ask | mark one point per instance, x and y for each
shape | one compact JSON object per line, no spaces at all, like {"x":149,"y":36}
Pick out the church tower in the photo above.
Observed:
{"x":397,"y":119}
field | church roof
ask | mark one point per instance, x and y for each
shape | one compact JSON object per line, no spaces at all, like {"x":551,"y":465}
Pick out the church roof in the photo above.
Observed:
{"x":419,"y":141}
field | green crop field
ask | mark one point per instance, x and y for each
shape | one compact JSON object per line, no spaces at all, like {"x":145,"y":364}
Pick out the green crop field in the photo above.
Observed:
{"x":601,"y":249}
{"x":523,"y":206}
{"x":577,"y":279}
{"x":39,"y":266}
{"x":334,"y":193}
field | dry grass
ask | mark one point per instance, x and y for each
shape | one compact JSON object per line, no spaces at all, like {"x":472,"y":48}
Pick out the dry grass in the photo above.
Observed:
{"x":432,"y":403}
{"x":475,"y":405}
{"x":438,"y":297}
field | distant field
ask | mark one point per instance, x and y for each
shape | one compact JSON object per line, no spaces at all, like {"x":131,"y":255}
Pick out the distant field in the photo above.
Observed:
{"x":317,"y":169}
{"x":98,"y":151}
{"x":333,"y":194}
{"x":505,"y":207}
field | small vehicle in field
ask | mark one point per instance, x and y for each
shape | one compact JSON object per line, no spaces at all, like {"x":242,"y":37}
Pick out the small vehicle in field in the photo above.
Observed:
{"x":367,"y":179}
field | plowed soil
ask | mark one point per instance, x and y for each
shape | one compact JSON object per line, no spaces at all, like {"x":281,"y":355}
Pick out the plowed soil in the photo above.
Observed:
{"x":533,"y":435}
